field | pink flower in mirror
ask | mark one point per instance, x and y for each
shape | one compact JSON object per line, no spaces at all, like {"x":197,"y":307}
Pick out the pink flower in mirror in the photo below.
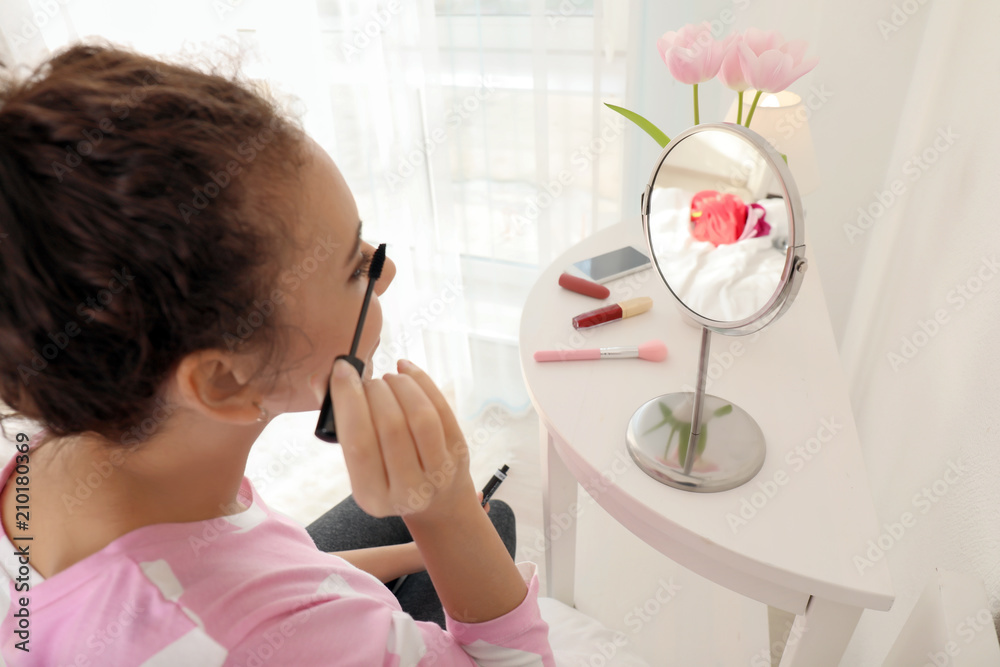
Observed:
{"x":771,"y":64}
{"x":756,"y":225}
{"x":717,"y":218}
{"x":721,"y":219}
{"x":692,"y":54}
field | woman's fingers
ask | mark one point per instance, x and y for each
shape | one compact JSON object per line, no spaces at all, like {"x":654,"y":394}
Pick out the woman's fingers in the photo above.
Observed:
{"x":424,"y":423}
{"x":454,"y":438}
{"x":399,"y":452}
{"x":358,"y":438}
{"x":402,"y":443}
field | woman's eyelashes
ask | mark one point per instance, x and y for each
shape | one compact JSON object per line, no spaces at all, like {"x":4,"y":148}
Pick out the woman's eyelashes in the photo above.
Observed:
{"x":362,"y":268}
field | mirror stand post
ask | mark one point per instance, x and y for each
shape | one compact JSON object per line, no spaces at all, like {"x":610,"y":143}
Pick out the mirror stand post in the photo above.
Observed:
{"x":699,"y":399}
{"x":731,"y":455}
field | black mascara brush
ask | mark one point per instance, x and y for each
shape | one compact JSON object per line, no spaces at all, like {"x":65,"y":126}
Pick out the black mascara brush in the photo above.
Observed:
{"x":326,"y":429}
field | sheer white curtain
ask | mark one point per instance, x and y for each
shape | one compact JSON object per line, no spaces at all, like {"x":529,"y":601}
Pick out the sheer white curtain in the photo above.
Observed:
{"x":921,"y":344}
{"x":471,"y":133}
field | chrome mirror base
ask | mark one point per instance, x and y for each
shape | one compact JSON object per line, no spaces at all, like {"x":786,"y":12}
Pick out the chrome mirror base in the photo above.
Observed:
{"x":730,"y":452}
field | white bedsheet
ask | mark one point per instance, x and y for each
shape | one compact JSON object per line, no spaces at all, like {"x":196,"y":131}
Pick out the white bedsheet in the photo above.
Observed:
{"x":725,"y":283}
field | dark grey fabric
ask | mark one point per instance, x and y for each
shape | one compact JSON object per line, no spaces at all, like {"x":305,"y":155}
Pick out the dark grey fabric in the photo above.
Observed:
{"x":346,"y":526}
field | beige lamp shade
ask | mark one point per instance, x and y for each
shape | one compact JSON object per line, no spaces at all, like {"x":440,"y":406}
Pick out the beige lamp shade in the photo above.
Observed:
{"x":783,"y":120}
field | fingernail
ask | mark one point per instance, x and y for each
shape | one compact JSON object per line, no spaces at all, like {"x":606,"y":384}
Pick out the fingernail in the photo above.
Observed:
{"x":345,"y":371}
{"x":405,"y":365}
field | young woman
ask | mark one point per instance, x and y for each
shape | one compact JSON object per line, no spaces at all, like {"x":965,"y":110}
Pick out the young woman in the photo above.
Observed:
{"x":180,"y":262}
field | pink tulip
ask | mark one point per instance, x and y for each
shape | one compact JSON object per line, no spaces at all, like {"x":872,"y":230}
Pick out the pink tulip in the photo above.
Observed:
{"x":692,"y":54}
{"x":731,"y":71}
{"x":771,"y":64}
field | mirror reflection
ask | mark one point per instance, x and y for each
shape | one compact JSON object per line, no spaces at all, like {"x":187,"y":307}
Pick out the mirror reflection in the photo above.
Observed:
{"x":716,"y":209}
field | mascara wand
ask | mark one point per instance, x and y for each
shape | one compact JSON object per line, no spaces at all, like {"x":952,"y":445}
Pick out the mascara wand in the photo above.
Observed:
{"x":326,"y":429}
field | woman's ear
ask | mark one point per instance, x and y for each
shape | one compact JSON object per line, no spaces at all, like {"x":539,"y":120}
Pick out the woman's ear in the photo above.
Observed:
{"x":214,"y":382}
{"x":242,"y":366}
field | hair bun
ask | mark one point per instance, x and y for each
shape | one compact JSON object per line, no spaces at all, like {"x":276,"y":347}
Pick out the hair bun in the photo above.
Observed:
{"x":134,"y":230}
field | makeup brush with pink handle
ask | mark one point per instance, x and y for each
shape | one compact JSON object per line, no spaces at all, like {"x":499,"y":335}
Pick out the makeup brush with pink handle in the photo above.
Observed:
{"x":653,"y":350}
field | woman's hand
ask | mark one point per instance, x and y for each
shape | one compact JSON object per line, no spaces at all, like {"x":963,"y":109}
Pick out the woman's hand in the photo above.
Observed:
{"x":407,"y":456}
{"x":404,"y":450}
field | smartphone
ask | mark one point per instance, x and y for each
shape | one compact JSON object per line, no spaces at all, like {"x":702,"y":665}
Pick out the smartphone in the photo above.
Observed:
{"x":611,"y":265}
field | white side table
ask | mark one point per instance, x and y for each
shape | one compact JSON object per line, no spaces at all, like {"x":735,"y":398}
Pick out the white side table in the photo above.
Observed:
{"x":796,"y":537}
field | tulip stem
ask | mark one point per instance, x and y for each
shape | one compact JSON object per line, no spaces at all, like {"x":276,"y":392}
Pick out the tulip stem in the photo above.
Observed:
{"x":739,"y":110}
{"x":696,"y":121}
{"x":753,"y":107}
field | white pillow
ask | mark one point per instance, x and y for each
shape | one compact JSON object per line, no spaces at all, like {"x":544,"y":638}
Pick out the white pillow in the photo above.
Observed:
{"x":578,"y":640}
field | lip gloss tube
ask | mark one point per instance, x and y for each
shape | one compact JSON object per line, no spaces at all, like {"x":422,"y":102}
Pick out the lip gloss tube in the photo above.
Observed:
{"x":612,"y":313}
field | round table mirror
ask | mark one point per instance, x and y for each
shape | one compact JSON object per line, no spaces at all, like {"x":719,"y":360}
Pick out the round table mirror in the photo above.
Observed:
{"x":723,"y":222}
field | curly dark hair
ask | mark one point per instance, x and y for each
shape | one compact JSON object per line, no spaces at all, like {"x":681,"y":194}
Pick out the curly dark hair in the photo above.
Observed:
{"x":140,"y":220}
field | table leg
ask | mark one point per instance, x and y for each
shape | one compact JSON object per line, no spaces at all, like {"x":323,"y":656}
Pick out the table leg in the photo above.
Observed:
{"x":558,"y":522}
{"x":819,"y":637}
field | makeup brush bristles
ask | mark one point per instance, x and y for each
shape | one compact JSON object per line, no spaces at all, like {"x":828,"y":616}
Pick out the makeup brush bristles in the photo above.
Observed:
{"x":378,"y":261}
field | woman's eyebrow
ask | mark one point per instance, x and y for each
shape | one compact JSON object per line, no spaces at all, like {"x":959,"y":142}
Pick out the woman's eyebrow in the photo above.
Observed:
{"x":357,"y":244}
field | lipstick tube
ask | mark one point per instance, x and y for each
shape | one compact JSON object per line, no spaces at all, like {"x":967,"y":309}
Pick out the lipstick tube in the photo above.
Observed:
{"x":582,"y":286}
{"x":612,"y":313}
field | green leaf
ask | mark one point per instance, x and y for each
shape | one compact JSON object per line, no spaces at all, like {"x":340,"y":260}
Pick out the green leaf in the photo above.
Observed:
{"x":724,"y":410}
{"x":784,"y":157}
{"x":650,"y":430}
{"x":702,"y":441}
{"x":685,"y":436}
{"x":666,"y":452}
{"x":668,"y":418}
{"x":643,"y":124}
